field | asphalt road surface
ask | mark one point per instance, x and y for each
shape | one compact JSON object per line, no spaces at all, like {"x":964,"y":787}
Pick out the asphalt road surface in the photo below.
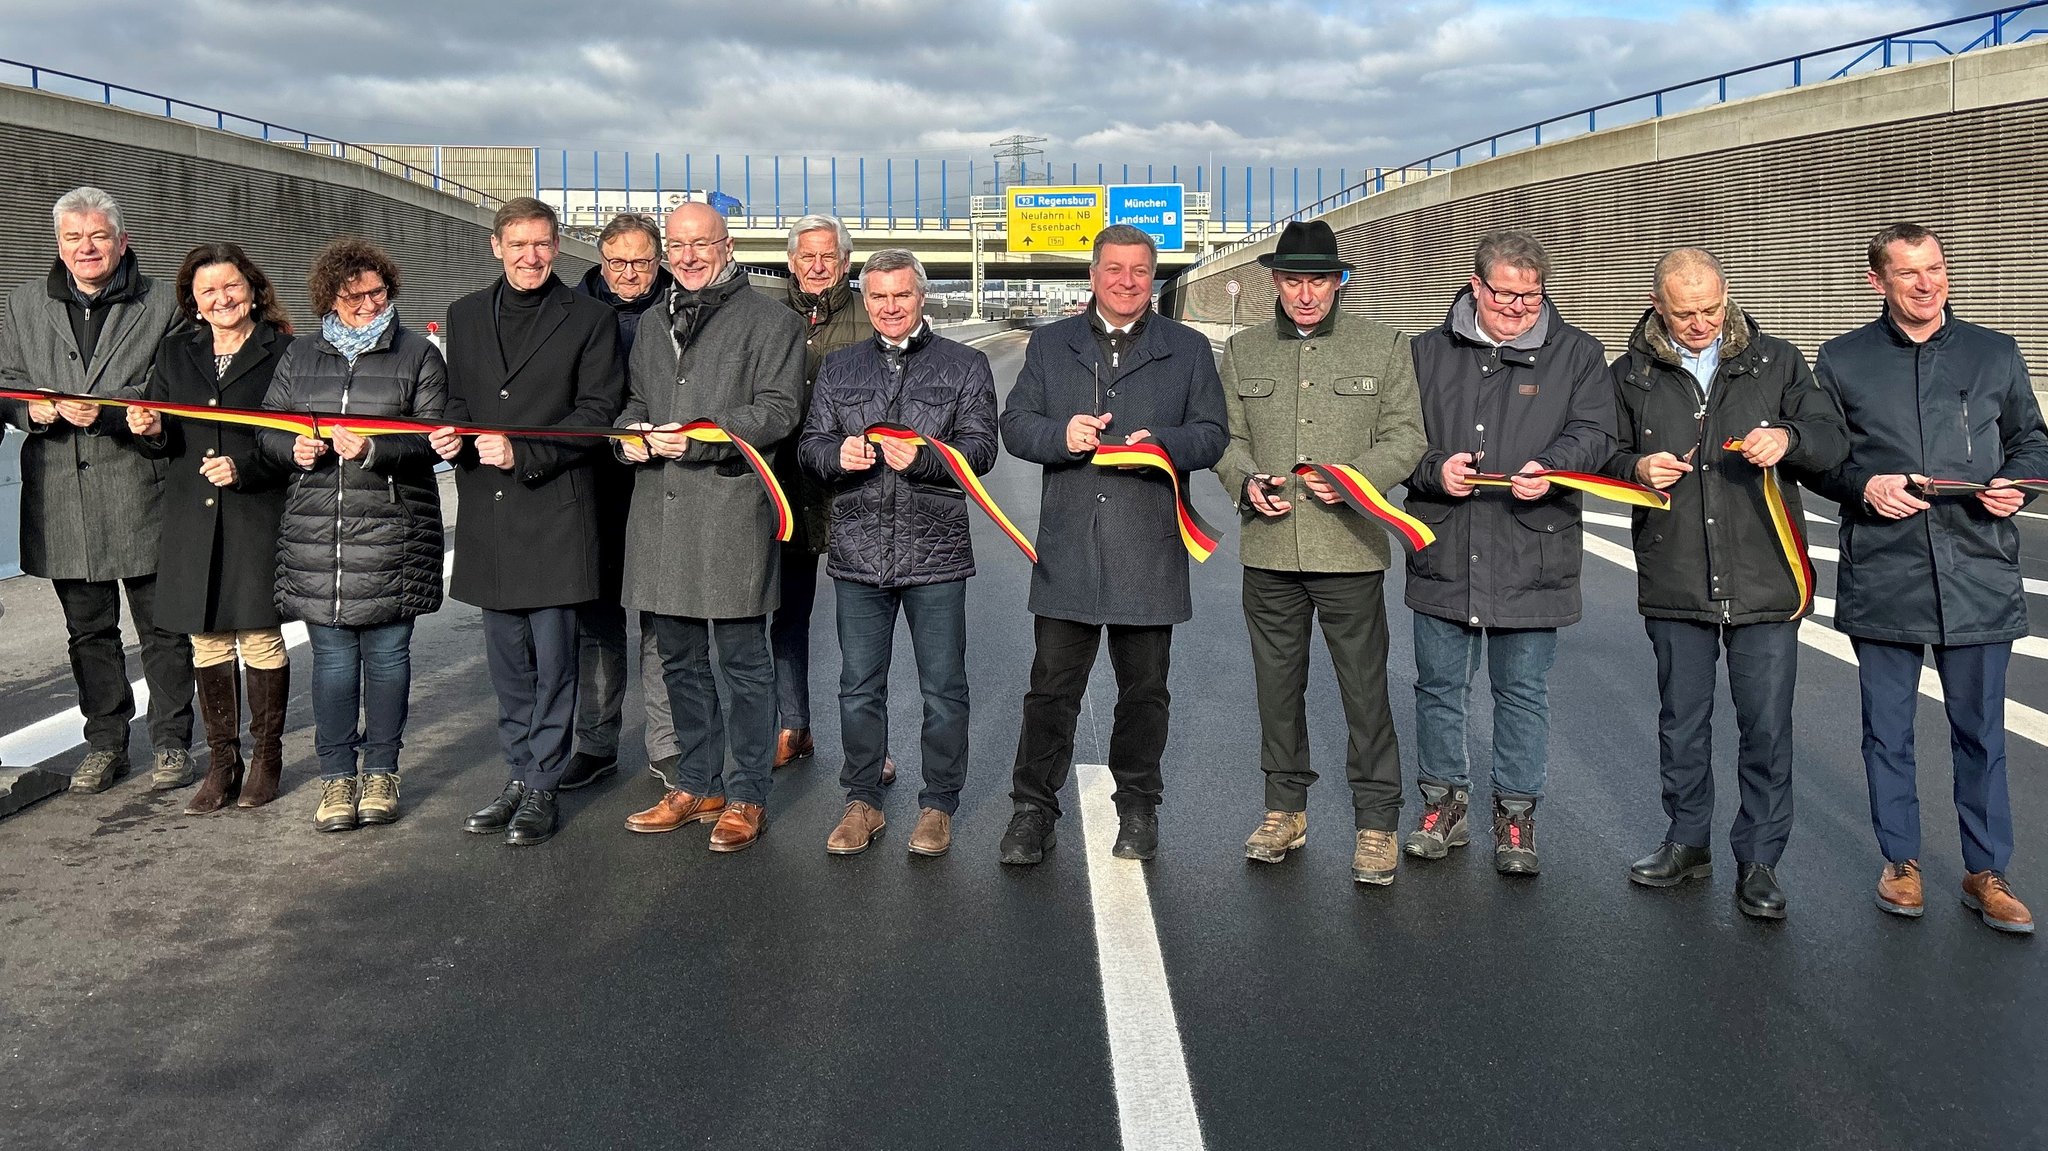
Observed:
{"x":241,"y":981}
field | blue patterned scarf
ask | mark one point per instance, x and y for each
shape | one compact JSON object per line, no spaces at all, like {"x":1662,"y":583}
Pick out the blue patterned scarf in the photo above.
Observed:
{"x":353,"y":342}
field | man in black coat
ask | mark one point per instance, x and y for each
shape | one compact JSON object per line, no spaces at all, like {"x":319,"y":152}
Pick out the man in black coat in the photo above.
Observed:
{"x":1109,"y":555}
{"x":1719,"y":571}
{"x":629,"y":279}
{"x":1929,"y":397}
{"x":1507,"y":387}
{"x":528,"y":350}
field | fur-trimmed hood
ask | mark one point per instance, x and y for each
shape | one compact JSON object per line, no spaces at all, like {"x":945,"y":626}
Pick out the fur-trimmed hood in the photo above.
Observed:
{"x":1653,"y":339}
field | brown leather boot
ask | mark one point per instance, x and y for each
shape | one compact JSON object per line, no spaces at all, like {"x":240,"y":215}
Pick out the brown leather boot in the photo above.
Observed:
{"x":220,"y":712}
{"x":1986,"y":893}
{"x":268,"y":688}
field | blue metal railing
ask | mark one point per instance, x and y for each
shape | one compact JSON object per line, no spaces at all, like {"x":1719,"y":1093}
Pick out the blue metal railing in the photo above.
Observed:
{"x":137,"y":100}
{"x":1874,"y":53}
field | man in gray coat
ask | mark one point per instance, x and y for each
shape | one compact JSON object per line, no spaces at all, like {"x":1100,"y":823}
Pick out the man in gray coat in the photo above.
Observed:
{"x":1108,"y":552}
{"x":1507,"y":387}
{"x":701,"y":548}
{"x":89,"y":499}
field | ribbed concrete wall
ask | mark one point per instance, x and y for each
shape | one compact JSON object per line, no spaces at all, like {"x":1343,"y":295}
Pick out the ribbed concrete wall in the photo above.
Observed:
{"x":180,"y":184}
{"x":1786,"y":188}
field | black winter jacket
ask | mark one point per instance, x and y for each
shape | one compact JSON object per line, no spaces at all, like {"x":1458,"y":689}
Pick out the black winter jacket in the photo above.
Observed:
{"x":360,"y":542}
{"x":895,"y":529}
{"x":1714,"y":556}
{"x":1956,"y":407}
{"x":1499,"y":561}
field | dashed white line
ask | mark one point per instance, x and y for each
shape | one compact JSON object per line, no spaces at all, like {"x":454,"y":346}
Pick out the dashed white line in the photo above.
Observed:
{"x":1155,"y":1104}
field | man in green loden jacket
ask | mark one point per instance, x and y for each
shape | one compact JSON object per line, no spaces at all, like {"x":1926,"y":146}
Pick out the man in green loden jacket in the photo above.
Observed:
{"x":1318,"y":387}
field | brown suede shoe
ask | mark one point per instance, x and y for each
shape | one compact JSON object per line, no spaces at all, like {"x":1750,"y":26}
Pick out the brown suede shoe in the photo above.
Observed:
{"x":934,"y":834}
{"x":792,"y":743}
{"x":1986,"y":893}
{"x":1898,"y":889}
{"x":857,"y":829}
{"x":739,"y":827}
{"x":675,"y":809}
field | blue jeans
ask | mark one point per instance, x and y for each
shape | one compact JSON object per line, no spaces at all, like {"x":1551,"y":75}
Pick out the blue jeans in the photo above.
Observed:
{"x":695,"y":655}
{"x":1973,"y":691}
{"x":1518,"y":664}
{"x":362,"y":688}
{"x":938,"y":637}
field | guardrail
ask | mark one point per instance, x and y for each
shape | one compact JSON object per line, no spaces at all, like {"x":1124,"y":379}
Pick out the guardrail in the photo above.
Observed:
{"x":137,"y":100}
{"x":1992,"y":29}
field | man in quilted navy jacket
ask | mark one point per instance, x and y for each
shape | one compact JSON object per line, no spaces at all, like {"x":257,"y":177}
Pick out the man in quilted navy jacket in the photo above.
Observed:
{"x":899,"y":539}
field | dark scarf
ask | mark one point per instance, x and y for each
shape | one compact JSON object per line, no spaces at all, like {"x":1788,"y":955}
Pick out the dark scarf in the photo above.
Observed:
{"x":689,"y":311}
{"x":628,"y":311}
{"x":823,"y":306}
{"x":88,"y":313}
{"x":1116,"y":345}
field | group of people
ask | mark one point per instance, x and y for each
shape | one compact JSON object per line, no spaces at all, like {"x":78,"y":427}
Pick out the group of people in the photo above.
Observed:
{"x":1916,"y":423}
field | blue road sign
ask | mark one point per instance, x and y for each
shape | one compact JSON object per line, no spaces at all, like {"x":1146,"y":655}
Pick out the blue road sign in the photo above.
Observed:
{"x":1155,"y":209}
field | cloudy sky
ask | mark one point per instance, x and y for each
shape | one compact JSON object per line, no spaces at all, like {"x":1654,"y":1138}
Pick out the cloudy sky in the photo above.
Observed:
{"x":1260,"y":82}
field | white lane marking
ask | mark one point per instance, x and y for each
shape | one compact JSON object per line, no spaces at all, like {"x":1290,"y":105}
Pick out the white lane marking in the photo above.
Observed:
{"x":2021,"y":720}
{"x":2031,"y":646}
{"x":59,"y":733}
{"x":1614,"y":521}
{"x":1155,"y":1105}
{"x":2033,"y":515}
{"x":1813,"y":518}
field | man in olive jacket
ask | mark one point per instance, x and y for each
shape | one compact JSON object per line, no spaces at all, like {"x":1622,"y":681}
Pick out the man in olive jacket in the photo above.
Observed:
{"x":1928,"y":396}
{"x":90,"y":519}
{"x":1109,"y":555}
{"x":1507,"y":387}
{"x":1318,"y":387}
{"x":835,"y":317}
{"x":701,"y":555}
{"x":1713,"y":573}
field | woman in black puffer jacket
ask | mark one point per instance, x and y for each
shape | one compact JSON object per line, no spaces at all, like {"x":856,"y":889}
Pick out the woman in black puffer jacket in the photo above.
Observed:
{"x":359,"y":550}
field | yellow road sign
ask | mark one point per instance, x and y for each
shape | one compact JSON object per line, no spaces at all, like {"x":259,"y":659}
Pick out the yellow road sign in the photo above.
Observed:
{"x":1046,"y":218}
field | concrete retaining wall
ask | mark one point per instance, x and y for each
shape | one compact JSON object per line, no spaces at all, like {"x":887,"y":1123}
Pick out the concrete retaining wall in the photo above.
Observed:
{"x":1786,"y":188}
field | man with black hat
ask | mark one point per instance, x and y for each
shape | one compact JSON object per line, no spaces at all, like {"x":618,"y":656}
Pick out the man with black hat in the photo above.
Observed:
{"x":1318,"y":387}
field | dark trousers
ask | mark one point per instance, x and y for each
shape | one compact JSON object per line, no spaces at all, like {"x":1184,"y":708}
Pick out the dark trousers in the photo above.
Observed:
{"x":1280,"y":610}
{"x":1064,"y":655}
{"x":789,"y":633}
{"x":1973,"y":685}
{"x":92,"y":622}
{"x":362,"y":692}
{"x":702,"y":732}
{"x":1763,"y":670}
{"x":601,"y":685}
{"x":533,"y":669}
{"x":937,"y":614}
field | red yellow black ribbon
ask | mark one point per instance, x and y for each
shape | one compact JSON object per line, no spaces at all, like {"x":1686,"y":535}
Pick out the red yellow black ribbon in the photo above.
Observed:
{"x":1360,"y":496}
{"x":1791,"y":541}
{"x":1940,"y":487}
{"x":1200,"y":539}
{"x":322,"y":425}
{"x":1606,"y":487}
{"x":962,"y":473}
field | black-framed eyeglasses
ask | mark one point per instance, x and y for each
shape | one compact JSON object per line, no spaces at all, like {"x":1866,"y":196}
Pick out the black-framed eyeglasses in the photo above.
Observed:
{"x":642,"y":266}
{"x":376,"y":295}
{"x":1530,"y":298}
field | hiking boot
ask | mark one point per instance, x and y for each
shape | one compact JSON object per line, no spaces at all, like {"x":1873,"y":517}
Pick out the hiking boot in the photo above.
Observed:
{"x":1375,"y":858}
{"x":1279,"y":833}
{"x":173,"y":768}
{"x":98,"y":771}
{"x":1986,"y":893}
{"x":1029,"y":837}
{"x":1443,"y":822}
{"x":1898,"y":889}
{"x":337,"y":810}
{"x":378,"y":802}
{"x":1514,"y":836}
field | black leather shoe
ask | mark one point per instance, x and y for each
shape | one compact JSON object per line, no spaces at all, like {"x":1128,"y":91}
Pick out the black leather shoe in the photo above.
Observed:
{"x":584,"y":770}
{"x":1137,"y":834}
{"x":1671,"y":865}
{"x":493,"y":818}
{"x":1029,"y":837}
{"x":534,"y":822}
{"x":1757,"y":892}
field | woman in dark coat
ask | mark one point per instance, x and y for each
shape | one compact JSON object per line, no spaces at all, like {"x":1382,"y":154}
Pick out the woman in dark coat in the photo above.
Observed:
{"x":359,"y":553}
{"x":222,"y":500}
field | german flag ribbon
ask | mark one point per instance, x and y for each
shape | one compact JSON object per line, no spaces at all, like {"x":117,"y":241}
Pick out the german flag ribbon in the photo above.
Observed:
{"x":1361,"y":497}
{"x":962,"y":473}
{"x":322,"y":425}
{"x":1606,"y":487}
{"x":1791,"y":541}
{"x":1201,"y":539}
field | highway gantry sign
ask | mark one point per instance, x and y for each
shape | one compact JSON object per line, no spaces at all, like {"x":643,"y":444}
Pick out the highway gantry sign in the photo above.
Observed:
{"x":1051,"y":218}
{"x":1155,"y":209}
